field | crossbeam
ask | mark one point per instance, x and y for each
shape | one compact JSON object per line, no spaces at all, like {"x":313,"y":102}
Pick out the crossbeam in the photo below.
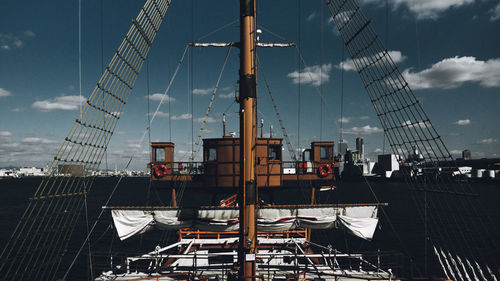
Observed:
{"x":237,"y":44}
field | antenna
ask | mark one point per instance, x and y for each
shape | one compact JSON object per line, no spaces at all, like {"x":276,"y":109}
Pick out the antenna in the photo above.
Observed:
{"x":261,"y":128}
{"x":223,"y":124}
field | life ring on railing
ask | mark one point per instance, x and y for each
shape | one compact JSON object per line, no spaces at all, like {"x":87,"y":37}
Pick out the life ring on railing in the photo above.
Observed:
{"x":324,"y":170}
{"x":160,"y":171}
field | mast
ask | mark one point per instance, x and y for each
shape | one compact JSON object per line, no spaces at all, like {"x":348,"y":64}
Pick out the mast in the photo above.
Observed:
{"x":248,"y":186}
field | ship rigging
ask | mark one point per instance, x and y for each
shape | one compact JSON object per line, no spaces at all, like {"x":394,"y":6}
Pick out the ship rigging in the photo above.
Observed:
{"x":38,"y":243}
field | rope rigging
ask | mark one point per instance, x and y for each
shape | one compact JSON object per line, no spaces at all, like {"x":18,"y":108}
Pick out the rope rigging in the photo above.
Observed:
{"x":191,"y":168}
{"x":146,"y":131}
{"x":412,"y":136}
{"x":282,"y":126}
{"x":57,"y":202}
{"x":205,"y":118}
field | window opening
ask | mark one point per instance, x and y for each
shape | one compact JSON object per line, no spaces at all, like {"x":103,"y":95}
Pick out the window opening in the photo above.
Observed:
{"x":275,"y":152}
{"x":326,"y":153}
{"x":211,"y":154}
{"x":159,"y":154}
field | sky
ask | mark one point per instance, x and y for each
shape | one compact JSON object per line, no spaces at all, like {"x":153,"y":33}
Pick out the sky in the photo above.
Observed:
{"x":448,"y":51}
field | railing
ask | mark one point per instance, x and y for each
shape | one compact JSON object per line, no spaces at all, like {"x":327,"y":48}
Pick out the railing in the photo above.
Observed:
{"x":328,"y":263}
{"x":180,"y":168}
{"x":197,"y":234}
{"x":220,"y":169}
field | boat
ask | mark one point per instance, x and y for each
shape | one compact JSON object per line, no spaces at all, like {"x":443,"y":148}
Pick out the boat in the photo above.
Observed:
{"x":241,"y":237}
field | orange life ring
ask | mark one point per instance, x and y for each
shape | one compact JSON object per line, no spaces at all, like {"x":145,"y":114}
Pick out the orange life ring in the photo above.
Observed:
{"x":160,"y":171}
{"x":324,"y":170}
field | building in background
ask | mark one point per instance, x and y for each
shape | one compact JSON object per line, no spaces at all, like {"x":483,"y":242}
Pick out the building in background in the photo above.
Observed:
{"x":466,"y":155}
{"x":387,"y":164}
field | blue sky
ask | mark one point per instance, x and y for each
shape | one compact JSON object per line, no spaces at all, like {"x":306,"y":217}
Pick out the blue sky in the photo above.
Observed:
{"x":448,"y":50}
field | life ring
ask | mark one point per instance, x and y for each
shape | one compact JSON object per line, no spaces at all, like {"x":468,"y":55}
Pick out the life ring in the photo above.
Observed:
{"x":324,"y":170}
{"x":160,"y":171}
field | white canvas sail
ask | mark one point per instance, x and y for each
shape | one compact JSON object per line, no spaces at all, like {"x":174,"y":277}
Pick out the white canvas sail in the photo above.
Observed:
{"x":359,"y":220}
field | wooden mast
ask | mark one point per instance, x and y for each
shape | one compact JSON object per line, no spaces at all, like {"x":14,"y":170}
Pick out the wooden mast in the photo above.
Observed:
{"x":248,"y":185}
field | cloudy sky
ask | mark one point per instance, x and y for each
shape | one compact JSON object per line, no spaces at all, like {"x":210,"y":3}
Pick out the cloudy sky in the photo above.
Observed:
{"x":448,"y":50}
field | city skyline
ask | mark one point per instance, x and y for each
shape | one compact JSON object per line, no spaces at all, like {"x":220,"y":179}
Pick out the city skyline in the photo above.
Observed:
{"x":446,"y":51}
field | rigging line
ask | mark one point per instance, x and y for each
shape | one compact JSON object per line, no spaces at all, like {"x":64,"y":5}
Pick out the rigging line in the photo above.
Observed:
{"x":148,"y":195}
{"x":165,"y":94}
{"x":102,"y":68}
{"x":391,"y":225}
{"x":170,"y":98}
{"x":229,"y":107}
{"x":191,"y":59}
{"x":316,"y":88}
{"x":80,"y":53}
{"x":149,"y":121}
{"x":128,"y":163}
{"x":93,"y":226}
{"x":218,"y":29}
{"x":54,"y":185}
{"x":342,"y":95}
{"x":272,"y":33}
{"x":299,"y":84}
{"x":321,"y":39}
{"x":87,"y":226}
{"x":418,"y":109}
{"x":200,"y":133}
{"x":80,"y":105}
{"x":285,"y":135}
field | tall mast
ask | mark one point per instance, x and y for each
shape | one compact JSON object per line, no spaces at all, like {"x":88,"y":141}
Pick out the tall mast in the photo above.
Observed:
{"x":248,"y":185}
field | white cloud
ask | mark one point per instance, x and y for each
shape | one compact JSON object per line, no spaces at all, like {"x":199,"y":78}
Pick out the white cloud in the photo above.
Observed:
{"x":114,"y":114}
{"x":456,"y":152}
{"x":344,"y":120}
{"x":464,"y":122}
{"x":378,"y":150}
{"x":363,"y":2}
{"x":312,"y":16}
{"x":365,"y":130}
{"x":315,"y":75}
{"x":453,"y":72}
{"x":36,"y":140}
{"x":17,"y":109}
{"x":159,"y":97}
{"x":352,"y":118}
{"x":409,"y":124}
{"x":488,"y":141}
{"x":203,"y":92}
{"x":59,"y":103}
{"x":29,"y":33}
{"x":133,"y":144}
{"x":32,"y":151}
{"x":348,"y":64}
{"x":229,"y":95}
{"x":10,"y":41}
{"x":423,"y":9}
{"x":430,"y":9}
{"x":184,"y":116}
{"x":495,"y":13}
{"x":5,"y":134}
{"x":209,"y":120}
{"x":161,"y":114}
{"x":4,"y":93}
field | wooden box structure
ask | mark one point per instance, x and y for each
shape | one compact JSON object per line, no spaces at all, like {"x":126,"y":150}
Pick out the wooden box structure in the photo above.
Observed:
{"x":221,"y":163}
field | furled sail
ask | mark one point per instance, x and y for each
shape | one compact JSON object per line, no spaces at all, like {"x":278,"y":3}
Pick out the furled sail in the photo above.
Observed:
{"x":360,"y":220}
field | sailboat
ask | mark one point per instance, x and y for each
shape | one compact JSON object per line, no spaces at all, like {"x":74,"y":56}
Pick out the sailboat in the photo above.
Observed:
{"x":243,"y":237}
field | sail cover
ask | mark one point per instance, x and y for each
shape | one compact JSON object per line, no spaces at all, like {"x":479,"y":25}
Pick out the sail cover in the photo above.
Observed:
{"x":359,"y":220}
